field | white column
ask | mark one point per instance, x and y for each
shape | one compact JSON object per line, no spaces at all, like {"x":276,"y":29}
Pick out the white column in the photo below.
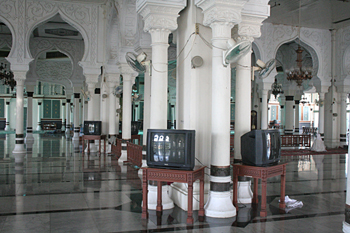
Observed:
{"x":159,"y":25}
{"x":159,"y":82}
{"x":128,"y":81}
{"x":296,"y":117}
{"x":264,"y":109}
{"x":343,"y":119}
{"x":146,"y":105}
{"x":97,"y":103}
{"x":38,"y":128}
{"x":219,"y":203}
{"x":29,"y":136}
{"x":76,"y":117}
{"x":68,"y":108}
{"x":289,"y":115}
{"x":7,"y":110}
{"x":63,"y":114}
{"x":321,"y":115}
{"x":91,"y":109}
{"x":113,"y":80}
{"x":19,"y":146}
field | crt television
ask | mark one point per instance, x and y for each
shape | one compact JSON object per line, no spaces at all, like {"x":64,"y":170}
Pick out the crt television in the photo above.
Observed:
{"x":261,"y":147}
{"x":92,"y":128}
{"x":170,"y":148}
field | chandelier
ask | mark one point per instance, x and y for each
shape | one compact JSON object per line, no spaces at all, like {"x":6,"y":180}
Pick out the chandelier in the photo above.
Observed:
{"x":7,"y":77}
{"x":276,"y":88}
{"x":299,"y":74}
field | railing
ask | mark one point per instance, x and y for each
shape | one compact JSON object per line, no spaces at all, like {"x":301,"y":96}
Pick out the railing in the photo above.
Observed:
{"x":134,"y":154}
{"x":296,"y":140}
{"x":117,"y":148}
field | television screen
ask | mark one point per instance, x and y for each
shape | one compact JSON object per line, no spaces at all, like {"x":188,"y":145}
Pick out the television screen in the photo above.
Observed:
{"x":173,"y":149}
{"x":92,"y":128}
{"x":261,"y":147}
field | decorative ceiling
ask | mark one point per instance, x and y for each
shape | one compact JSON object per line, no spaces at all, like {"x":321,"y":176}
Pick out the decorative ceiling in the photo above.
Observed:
{"x":322,"y":14}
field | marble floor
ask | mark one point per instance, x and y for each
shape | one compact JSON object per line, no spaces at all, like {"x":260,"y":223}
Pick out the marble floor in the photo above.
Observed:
{"x":57,"y":189}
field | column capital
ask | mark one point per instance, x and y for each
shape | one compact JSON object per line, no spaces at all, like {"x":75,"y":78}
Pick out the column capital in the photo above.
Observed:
{"x":221,"y":10}
{"x":91,"y":79}
{"x":159,"y":14}
{"x":20,"y":77}
{"x":126,"y":70}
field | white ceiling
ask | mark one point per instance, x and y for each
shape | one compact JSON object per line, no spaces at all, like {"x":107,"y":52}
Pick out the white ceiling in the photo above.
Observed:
{"x":323,"y":14}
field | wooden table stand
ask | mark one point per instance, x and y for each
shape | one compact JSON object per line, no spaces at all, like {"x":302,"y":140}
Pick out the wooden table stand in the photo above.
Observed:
{"x":171,"y":175}
{"x":95,"y":137}
{"x":260,"y":173}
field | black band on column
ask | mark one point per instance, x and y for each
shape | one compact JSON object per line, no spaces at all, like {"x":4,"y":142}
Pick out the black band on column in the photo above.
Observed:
{"x":7,"y":103}
{"x":68,"y":100}
{"x":77,"y":95}
{"x":289,"y":98}
{"x":282,"y":106}
{"x":30,"y":94}
{"x":39,"y":103}
{"x":219,"y":170}
{"x":343,"y":135}
{"x":219,"y":187}
{"x":297,"y":101}
{"x":63,"y":104}
{"x":97,"y":91}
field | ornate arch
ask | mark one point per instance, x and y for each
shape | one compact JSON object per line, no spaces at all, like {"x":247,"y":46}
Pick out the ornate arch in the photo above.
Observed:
{"x":7,"y":40}
{"x":41,"y":12}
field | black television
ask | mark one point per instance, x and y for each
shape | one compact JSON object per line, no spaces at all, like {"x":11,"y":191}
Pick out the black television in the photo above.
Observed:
{"x":92,"y":127}
{"x":261,"y":147}
{"x":171,"y":149}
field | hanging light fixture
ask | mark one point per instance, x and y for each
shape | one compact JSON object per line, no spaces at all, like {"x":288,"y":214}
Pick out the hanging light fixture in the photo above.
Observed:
{"x":304,"y":101}
{"x":276,"y":88}
{"x":299,"y":74}
{"x":7,"y":77}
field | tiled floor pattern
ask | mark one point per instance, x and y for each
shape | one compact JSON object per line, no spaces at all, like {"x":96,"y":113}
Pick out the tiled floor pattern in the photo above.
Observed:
{"x":57,"y":190}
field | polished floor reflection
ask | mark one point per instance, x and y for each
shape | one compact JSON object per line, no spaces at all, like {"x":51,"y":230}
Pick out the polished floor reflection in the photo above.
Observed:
{"x":57,"y":189}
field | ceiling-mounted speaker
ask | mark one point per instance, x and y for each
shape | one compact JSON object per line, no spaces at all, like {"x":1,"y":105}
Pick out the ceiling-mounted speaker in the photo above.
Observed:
{"x":197,"y":61}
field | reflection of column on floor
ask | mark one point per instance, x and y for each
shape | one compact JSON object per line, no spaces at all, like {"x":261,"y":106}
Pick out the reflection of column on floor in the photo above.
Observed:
{"x":29,"y":186}
{"x":8,"y":147}
{"x":19,"y":187}
{"x":346,"y":223}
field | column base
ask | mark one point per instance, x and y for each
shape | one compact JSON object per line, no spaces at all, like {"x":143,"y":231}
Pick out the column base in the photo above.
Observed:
{"x":219,"y":205}
{"x":7,"y":128}
{"x":19,"y":148}
{"x":346,"y":227}
{"x":144,"y":164}
{"x":63,"y":128}
{"x":245,"y":193}
{"x":76,"y":137}
{"x":19,"y":157}
{"x":29,"y":139}
{"x":167,"y":203}
{"x":124,"y":156}
{"x":38,"y":128}
{"x":179,"y":194}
